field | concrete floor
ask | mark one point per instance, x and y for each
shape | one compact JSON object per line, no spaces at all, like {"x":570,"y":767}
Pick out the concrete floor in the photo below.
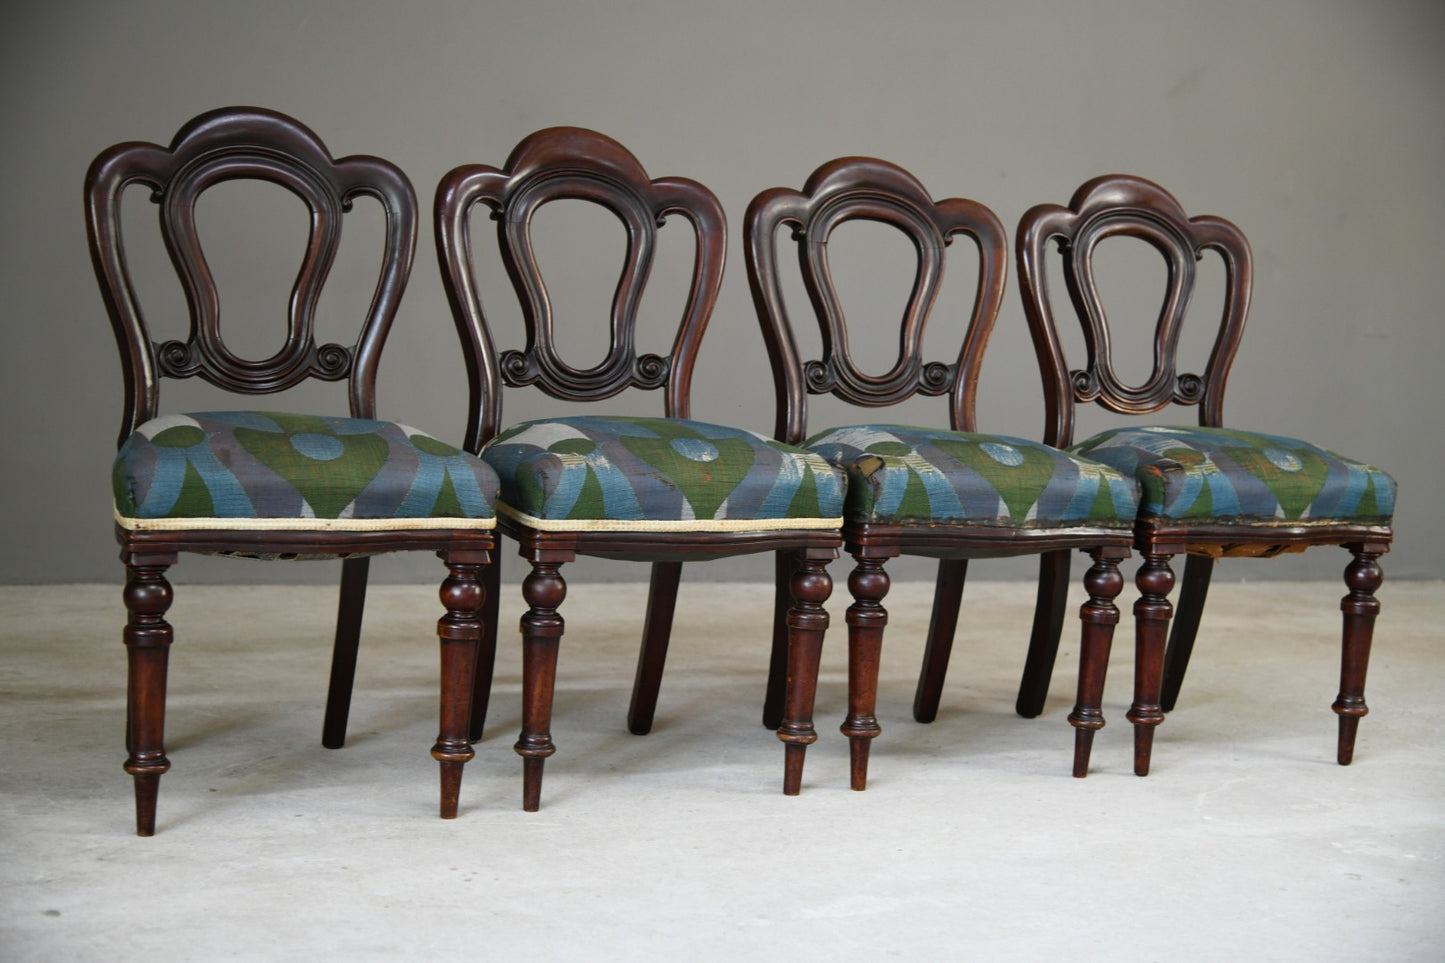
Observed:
{"x":972,"y":841}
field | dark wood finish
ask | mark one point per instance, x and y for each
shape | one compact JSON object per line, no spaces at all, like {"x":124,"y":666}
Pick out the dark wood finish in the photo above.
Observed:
{"x":947,"y":597}
{"x":250,"y":143}
{"x":487,"y":653}
{"x":859,"y":188}
{"x":652,"y":657}
{"x":807,"y":622}
{"x":1048,"y":627}
{"x":351,"y":604}
{"x":572,"y":163}
{"x":1198,"y":569}
{"x":460,"y":632}
{"x":1362,"y":577}
{"x":1130,"y":207}
{"x":1099,"y":614}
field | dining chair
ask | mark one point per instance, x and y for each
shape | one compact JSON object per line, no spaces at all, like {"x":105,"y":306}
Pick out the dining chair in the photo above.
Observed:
{"x":1207,"y":491}
{"x":949,"y":493}
{"x":264,"y":483}
{"x":664,"y":490}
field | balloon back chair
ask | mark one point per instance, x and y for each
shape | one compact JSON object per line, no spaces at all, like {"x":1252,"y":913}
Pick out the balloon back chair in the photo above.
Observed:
{"x":1207,"y":491}
{"x":271,"y":484}
{"x":949,"y":493}
{"x":662,"y":490}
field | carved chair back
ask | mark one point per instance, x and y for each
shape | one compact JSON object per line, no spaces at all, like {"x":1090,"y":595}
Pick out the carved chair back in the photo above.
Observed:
{"x":861,"y":188}
{"x":225,"y":145}
{"x":1123,"y":206}
{"x":572,"y":163}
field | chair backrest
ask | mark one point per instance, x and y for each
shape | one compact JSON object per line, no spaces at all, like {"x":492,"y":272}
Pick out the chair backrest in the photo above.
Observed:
{"x":224,"y":145}
{"x":555,"y":164}
{"x":1112,"y":206}
{"x":853,"y":188}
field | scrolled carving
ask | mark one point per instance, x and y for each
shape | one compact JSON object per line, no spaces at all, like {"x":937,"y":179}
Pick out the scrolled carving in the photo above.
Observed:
{"x":937,"y":378}
{"x":244,"y":143}
{"x":651,"y":370}
{"x":1086,"y":385}
{"x":176,"y":359}
{"x":333,"y":362}
{"x":1189,"y":389}
{"x":518,"y":368}
{"x":820,"y":377}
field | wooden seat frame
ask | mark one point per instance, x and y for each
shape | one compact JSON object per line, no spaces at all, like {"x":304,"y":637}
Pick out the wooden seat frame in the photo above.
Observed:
{"x":573,"y":163}
{"x":1131,"y":207}
{"x":870,"y":189}
{"x":251,"y":143}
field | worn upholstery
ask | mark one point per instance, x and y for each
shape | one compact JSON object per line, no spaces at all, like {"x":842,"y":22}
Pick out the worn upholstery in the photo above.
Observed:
{"x":916,"y":476}
{"x":1232,"y":476}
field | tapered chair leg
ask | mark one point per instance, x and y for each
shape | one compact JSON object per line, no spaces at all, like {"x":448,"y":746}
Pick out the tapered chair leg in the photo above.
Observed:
{"x":1052,"y":599}
{"x":947,"y":597}
{"x":656,"y":633}
{"x":807,"y":621}
{"x":1360,"y":607}
{"x":1192,"y":593}
{"x":866,"y":618}
{"x":1151,"y":628}
{"x":543,"y":589}
{"x":460,"y":632}
{"x":1099,"y":616}
{"x":487,"y":650}
{"x":148,"y":638}
{"x":350,"y":607}
{"x":784,"y":565}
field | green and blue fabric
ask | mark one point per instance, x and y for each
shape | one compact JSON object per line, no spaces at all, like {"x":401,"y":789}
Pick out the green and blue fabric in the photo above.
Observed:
{"x":659,"y":474}
{"x":1231,"y":476}
{"x":267,"y":470}
{"x":898,"y":475}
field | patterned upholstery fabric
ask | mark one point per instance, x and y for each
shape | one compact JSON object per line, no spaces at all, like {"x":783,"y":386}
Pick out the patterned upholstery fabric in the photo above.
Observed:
{"x":659,"y":474}
{"x":268,"y":470}
{"x":900,"y":475}
{"x":1219,"y":474}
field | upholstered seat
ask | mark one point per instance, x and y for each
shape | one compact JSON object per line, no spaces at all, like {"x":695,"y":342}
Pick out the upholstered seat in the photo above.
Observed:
{"x":1206,"y":492}
{"x":662,"y":490}
{"x":258,"y":469}
{"x":900,"y":475}
{"x":1227,"y":475}
{"x":265,"y":485}
{"x":656,"y":474}
{"x":954,"y":495}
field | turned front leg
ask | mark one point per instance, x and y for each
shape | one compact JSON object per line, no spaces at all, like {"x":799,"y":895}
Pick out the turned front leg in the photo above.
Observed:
{"x":542,"y":626}
{"x":460,"y":632}
{"x":866,"y":618}
{"x":807,"y":621}
{"x":1152,"y":613}
{"x":1099,"y":615}
{"x":1363,"y":576}
{"x":148,"y":638}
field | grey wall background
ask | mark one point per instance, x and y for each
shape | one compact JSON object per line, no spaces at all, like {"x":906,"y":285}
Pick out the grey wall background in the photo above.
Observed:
{"x":1316,"y":125}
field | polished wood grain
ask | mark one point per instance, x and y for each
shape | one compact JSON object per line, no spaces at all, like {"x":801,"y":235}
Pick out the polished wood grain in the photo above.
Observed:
{"x":570,"y":163}
{"x":261,"y":145}
{"x":872,"y":190}
{"x":1133,"y":208}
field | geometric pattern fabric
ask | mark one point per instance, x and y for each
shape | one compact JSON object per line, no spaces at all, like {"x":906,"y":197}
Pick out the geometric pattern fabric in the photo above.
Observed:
{"x":270,"y":470}
{"x":899,"y":475}
{"x":1226,"y":475}
{"x":599,"y":473}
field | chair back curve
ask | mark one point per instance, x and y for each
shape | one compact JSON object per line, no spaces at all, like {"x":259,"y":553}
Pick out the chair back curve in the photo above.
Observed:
{"x":573,"y":163}
{"x":1120,"y":205}
{"x":244,"y":143}
{"x":865,"y":188}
